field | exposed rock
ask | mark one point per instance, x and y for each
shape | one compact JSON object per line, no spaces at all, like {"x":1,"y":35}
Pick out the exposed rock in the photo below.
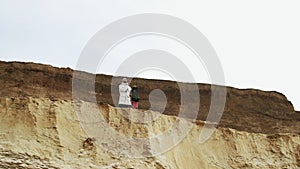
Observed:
{"x":45,"y":133}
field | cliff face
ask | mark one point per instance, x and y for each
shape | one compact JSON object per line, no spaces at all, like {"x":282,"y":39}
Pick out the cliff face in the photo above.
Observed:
{"x":46,"y":133}
{"x":245,"y":110}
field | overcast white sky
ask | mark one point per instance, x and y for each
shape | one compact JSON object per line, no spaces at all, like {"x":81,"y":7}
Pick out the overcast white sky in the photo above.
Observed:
{"x":257,"y":41}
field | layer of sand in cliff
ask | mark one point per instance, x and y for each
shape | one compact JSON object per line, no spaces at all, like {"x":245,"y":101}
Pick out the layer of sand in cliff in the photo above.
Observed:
{"x":45,"y":133}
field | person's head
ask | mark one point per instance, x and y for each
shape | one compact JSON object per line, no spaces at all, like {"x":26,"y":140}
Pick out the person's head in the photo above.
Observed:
{"x":134,"y":86}
{"x":124,"y":80}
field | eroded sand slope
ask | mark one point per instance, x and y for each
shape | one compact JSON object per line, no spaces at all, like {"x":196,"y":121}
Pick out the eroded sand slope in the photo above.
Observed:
{"x":44,"y":133}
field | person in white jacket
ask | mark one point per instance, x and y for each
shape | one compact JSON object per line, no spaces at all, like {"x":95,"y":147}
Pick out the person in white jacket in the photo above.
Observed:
{"x":124,"y":90}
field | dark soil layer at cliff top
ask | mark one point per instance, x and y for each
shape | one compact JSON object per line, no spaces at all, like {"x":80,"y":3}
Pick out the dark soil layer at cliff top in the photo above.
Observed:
{"x":247,"y":110}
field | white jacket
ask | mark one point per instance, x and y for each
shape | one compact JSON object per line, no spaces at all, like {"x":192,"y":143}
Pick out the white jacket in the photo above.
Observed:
{"x":124,"y":90}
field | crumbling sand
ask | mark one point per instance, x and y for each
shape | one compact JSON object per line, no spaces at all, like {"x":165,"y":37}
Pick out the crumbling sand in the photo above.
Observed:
{"x":45,"y":133}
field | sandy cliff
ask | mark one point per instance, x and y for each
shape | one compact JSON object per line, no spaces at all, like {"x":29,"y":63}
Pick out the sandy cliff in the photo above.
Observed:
{"x":44,"y":133}
{"x":39,"y":127}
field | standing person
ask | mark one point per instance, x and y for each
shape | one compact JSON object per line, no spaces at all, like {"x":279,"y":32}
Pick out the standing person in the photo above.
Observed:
{"x":135,"y":97}
{"x":124,"y":90}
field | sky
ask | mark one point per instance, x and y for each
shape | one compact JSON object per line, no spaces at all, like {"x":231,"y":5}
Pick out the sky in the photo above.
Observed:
{"x":257,"y":41}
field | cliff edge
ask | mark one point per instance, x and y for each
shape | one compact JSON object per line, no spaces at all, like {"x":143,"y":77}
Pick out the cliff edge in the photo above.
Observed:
{"x":248,"y":110}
